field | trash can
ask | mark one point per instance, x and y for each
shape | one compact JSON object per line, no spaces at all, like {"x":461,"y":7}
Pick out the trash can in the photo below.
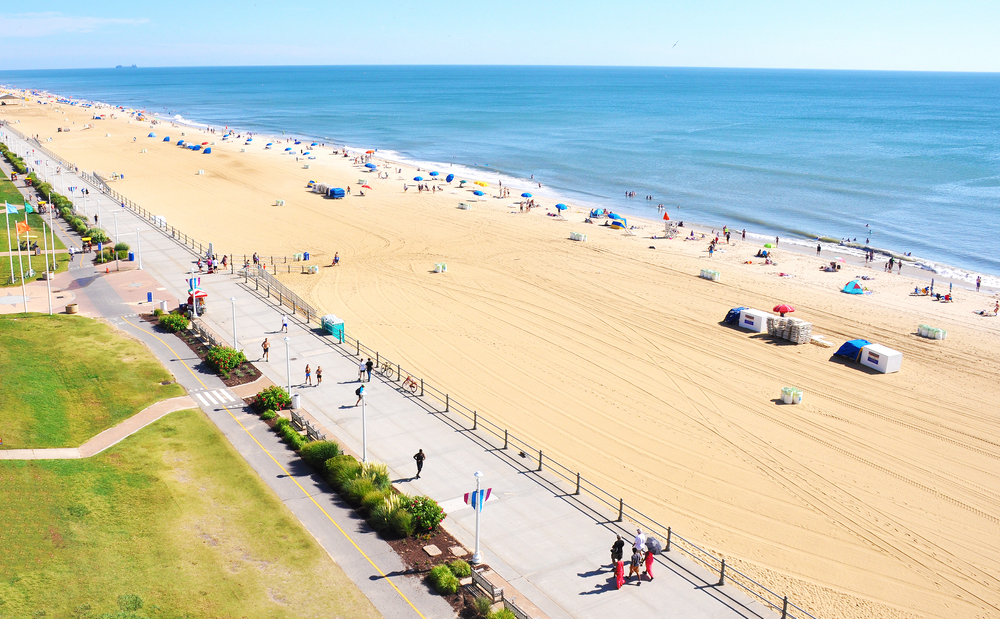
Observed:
{"x":131,"y":256}
{"x":295,"y":401}
{"x":71,"y":308}
{"x":163,"y":306}
{"x":305,"y":256}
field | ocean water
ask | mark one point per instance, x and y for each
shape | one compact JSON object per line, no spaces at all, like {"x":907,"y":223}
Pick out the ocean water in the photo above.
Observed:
{"x":910,"y":161}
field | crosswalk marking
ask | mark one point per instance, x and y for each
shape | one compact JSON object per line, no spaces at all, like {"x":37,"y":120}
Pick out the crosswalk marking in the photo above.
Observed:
{"x":208,"y":395}
{"x":224,"y":395}
{"x":202,"y":398}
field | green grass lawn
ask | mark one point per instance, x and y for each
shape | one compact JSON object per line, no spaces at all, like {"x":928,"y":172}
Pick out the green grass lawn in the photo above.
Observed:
{"x":8,"y":232}
{"x":172,"y":515}
{"x":64,"y":379}
{"x":36,"y":262}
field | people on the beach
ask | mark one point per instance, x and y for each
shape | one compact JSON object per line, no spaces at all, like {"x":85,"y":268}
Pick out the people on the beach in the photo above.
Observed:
{"x":649,"y":564}
{"x":284,"y":323}
{"x":336,"y":258}
{"x":818,"y":248}
{"x":979,"y":281}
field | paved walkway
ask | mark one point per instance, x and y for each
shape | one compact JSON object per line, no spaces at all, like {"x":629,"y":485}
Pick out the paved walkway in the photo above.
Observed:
{"x":109,"y":437}
{"x":552,"y":546}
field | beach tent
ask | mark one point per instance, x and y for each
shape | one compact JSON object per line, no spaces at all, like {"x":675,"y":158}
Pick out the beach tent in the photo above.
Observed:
{"x":434,"y":173}
{"x":853,"y":287}
{"x":478,"y":193}
{"x":208,"y":150}
{"x":418,"y":178}
{"x":851,"y":349}
{"x":449,"y":178}
{"x":597,"y":212}
{"x":336,"y":193}
{"x":371,"y":166}
{"x":525,"y":195}
{"x":297,"y":142}
{"x":180,"y":142}
{"x":151,"y":135}
{"x":618,"y":224}
{"x":768,"y":245}
{"x":166,"y":139}
{"x":733,"y":317}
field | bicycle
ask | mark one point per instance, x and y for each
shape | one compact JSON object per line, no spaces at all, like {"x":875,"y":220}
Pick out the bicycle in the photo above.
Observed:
{"x":386,"y":369}
{"x":410,"y":384}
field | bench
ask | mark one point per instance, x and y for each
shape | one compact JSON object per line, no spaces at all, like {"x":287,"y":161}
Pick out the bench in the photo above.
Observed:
{"x":298,"y":421}
{"x":512,"y":607}
{"x":495,"y":594}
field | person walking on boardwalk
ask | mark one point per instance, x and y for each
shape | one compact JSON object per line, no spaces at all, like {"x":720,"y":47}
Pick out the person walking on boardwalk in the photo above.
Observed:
{"x":360,"y":392}
{"x":419,"y":457}
{"x":319,"y":375}
{"x":309,"y":376}
{"x":649,"y":564}
{"x":617,"y":551}
{"x":284,"y":323}
{"x":634,"y":564}
{"x":640,"y":540}
{"x":267,"y":348}
{"x":368,"y":368}
{"x":361,"y":370}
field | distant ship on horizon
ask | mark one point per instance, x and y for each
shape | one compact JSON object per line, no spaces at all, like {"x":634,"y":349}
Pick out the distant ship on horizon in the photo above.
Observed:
{"x":120,"y":66}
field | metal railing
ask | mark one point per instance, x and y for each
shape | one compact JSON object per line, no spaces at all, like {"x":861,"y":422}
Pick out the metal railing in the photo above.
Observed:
{"x":268,"y":284}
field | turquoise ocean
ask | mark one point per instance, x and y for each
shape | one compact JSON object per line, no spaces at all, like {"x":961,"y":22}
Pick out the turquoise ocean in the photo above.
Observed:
{"x":910,"y":161}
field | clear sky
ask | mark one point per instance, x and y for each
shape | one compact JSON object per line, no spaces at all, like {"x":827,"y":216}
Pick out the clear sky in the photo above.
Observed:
{"x":958,"y":35}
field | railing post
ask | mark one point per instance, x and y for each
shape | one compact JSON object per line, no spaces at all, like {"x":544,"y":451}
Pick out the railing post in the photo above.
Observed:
{"x":577,"y":493}
{"x":784,"y":608}
{"x":357,"y":347}
{"x":505,"y":439}
{"x":722,"y":573}
{"x":281,"y":300}
{"x":421,"y":387}
{"x":621,"y":509}
{"x":447,"y":402}
{"x":667,"y":549}
{"x":399,"y":375}
{"x":475,"y":420}
{"x":294,"y":309}
{"x":377,"y":360}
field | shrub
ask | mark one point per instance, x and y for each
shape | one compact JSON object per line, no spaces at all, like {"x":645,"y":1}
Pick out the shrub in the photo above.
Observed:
{"x":97,"y":235}
{"x":272,"y":398}
{"x":341,"y":471}
{"x":378,"y":473}
{"x":443,"y":581}
{"x":157,"y":312}
{"x":482,"y":606}
{"x":356,"y":489}
{"x":503,"y":613}
{"x":268,"y":415}
{"x":129,"y":602}
{"x":174,"y":322}
{"x":121,"y":247}
{"x":460,"y":568}
{"x":372,"y":500}
{"x":317,"y":453}
{"x":288,"y":434}
{"x":401,"y":523}
{"x":427,"y":514}
{"x":224,"y":359}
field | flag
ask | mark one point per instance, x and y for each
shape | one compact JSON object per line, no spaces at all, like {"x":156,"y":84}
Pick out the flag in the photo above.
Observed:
{"x":28,"y":208}
{"x":194,"y":283}
{"x":478,"y":498}
{"x":23,"y":227}
{"x":10,"y":207}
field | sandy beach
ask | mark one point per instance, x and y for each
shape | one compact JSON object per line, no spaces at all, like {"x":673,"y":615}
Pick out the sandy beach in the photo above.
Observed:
{"x":878,"y":496}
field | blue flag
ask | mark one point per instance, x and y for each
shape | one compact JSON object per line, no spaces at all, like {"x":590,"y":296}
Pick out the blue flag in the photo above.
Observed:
{"x":10,"y":207}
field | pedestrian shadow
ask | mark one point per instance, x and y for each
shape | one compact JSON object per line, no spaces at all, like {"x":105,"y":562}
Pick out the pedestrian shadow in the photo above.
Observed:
{"x":605,"y":587}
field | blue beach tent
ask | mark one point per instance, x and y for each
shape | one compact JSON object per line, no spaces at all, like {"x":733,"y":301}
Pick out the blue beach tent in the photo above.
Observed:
{"x":449,"y":178}
{"x":733,"y":317}
{"x":208,"y":151}
{"x":151,"y":135}
{"x":851,"y":349}
{"x":166,"y":139}
{"x":853,"y":287}
{"x":371,"y":166}
{"x":180,"y":142}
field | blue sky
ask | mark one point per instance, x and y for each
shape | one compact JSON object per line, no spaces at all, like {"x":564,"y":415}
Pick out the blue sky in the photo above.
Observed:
{"x":961,"y":35}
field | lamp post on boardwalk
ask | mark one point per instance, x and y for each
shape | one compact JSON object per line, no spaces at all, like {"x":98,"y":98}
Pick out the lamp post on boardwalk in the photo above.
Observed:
{"x":288,"y":366}
{"x":364,"y":427}
{"x":477,"y":556}
{"x":236,"y":345}
{"x":118,"y":266}
{"x":138,"y":247}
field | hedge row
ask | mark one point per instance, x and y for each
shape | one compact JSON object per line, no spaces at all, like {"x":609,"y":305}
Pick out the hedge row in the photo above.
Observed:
{"x":15,"y":162}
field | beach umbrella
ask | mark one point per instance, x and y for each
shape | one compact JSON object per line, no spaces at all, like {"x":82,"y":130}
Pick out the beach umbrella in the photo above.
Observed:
{"x":418,"y":178}
{"x":561,"y":207}
{"x":449,"y":178}
{"x":369,"y":152}
{"x":371,"y":166}
{"x":783,"y":309}
{"x":288,"y":149}
{"x":367,"y":186}
{"x":268,"y":144}
{"x":204,"y":143}
{"x":249,"y":139}
{"x":297,"y":142}
{"x":208,"y":151}
{"x":434,"y":173}
{"x":526,"y":195}
{"x":308,"y":152}
{"x":478,"y":193}
{"x":460,"y":183}
{"x":614,"y":216}
{"x":481,"y":183}
{"x":166,"y":139}
{"x":653,"y":545}
{"x":314,"y":144}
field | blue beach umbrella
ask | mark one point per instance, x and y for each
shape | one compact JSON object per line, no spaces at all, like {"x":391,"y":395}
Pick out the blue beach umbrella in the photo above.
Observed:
{"x":297,"y":142}
{"x":269,"y":144}
{"x":418,"y":178}
{"x":180,"y":142}
{"x":561,"y":207}
{"x":371,"y":166}
{"x":288,"y":149}
{"x":314,"y":144}
{"x":478,"y":193}
{"x":434,"y":173}
{"x":449,"y":178}
{"x":307,"y":152}
{"x":614,"y":216}
{"x":525,"y":195}
{"x":207,"y":151}
{"x":249,"y":139}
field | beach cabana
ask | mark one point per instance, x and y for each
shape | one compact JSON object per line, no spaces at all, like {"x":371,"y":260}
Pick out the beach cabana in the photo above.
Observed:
{"x":151,"y":135}
{"x":478,"y":193}
{"x":449,"y":178}
{"x":733,"y":317}
{"x":526,"y":195}
{"x":371,"y":166}
{"x":853,"y":287}
{"x":851,"y":349}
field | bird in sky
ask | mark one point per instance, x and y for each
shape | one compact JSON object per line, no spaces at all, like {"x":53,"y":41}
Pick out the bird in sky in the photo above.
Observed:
{"x":675,"y":44}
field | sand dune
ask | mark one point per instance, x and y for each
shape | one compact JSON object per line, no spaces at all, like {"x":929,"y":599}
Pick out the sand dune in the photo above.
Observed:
{"x":878,"y":496}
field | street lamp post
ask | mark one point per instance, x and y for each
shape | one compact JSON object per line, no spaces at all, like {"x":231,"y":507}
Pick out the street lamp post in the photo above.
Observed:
{"x":138,"y":247}
{"x":364,"y":427}
{"x":236,"y":345}
{"x":288,"y":366}
{"x":477,"y":556}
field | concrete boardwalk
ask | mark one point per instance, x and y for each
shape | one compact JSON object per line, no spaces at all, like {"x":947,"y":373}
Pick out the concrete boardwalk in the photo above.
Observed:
{"x":552,"y":546}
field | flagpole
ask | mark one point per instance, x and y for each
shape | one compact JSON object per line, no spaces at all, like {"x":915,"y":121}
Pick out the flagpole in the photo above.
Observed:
{"x":48,"y":274}
{"x":477,"y":557}
{"x":24,"y":293}
{"x":10,"y":251}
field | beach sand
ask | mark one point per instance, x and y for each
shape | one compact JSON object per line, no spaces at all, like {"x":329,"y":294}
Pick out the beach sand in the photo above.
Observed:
{"x":878,"y":496}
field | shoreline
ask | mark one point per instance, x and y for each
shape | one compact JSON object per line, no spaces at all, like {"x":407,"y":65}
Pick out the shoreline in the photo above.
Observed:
{"x":929,"y":269}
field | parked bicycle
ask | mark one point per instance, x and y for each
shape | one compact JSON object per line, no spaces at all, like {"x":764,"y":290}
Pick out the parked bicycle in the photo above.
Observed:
{"x":411,"y":384}
{"x":386,"y":369}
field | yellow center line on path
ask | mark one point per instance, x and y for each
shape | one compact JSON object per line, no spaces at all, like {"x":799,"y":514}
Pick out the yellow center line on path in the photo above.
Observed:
{"x":289,"y":476}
